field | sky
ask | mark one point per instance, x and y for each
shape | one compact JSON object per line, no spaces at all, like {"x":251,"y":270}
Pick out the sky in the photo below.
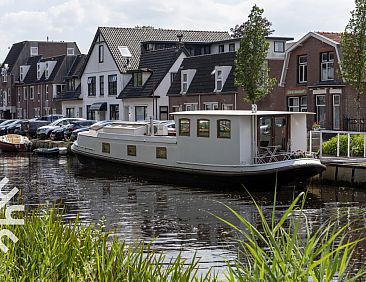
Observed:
{"x":78,"y":20}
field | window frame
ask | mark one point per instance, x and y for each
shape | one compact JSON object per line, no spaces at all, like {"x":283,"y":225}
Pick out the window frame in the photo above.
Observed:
{"x":320,"y":110}
{"x":184,"y":130}
{"x":276,"y":44}
{"x":184,"y":83}
{"x":220,"y":133}
{"x":91,"y":81}
{"x":232,"y":47}
{"x":114,"y":112}
{"x":336,"y":111}
{"x":221,"y":48}
{"x":137,"y":79}
{"x":112,"y":85}
{"x":131,"y":150}
{"x":106,"y":148}
{"x":101,"y":53}
{"x":201,"y":131}
{"x":219,"y":79}
{"x":327,"y":66}
{"x":161,"y":153}
{"x":302,"y":74}
{"x":101,"y":85}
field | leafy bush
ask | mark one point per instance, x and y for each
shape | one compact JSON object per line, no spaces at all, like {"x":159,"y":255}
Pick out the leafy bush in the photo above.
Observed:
{"x":356,"y":144}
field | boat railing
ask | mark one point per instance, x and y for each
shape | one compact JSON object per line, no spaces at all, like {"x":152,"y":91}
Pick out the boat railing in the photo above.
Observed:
{"x":337,"y":147}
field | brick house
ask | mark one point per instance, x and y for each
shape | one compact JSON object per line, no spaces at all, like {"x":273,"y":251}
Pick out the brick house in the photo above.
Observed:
{"x":207,"y":82}
{"x":311,"y":77}
{"x":18,"y":56}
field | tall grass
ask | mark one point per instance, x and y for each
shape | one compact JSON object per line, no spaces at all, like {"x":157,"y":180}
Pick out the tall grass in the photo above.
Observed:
{"x":289,"y":250}
{"x":50,"y":250}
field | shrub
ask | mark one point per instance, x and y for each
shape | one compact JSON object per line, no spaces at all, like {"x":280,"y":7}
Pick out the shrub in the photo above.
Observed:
{"x":356,"y":145}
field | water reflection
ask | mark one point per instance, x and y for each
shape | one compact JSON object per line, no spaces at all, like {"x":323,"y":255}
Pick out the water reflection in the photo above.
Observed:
{"x":176,"y":218}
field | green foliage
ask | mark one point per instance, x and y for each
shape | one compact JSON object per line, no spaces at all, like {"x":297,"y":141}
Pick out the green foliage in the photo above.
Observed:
{"x":251,"y":68}
{"x":290,"y":250}
{"x":356,"y":145}
{"x":354,"y":51}
{"x":49,"y":250}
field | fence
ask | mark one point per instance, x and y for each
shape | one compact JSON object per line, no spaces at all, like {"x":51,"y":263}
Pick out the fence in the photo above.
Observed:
{"x":352,"y":124}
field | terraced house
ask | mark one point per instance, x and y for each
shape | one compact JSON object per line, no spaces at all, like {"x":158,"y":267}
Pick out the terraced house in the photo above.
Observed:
{"x":13,"y":72}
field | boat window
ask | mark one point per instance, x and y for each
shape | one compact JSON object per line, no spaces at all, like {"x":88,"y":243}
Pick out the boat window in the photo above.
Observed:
{"x":106,"y":148}
{"x":223,"y":128}
{"x":161,"y":153}
{"x":184,"y":127}
{"x":203,"y":128}
{"x":131,"y":150}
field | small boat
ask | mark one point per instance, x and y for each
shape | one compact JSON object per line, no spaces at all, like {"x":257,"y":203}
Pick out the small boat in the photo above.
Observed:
{"x":14,"y":143}
{"x":234,"y":146}
{"x":51,"y":151}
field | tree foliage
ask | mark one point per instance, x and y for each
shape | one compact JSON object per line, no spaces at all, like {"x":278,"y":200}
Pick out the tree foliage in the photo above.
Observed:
{"x":353,"y":42}
{"x":251,"y":69}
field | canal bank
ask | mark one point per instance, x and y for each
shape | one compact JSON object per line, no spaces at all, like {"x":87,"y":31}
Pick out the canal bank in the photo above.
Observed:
{"x":37,"y":143}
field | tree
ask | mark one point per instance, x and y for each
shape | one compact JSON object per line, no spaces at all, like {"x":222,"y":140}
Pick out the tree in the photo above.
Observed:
{"x":353,"y":63}
{"x":251,"y":69}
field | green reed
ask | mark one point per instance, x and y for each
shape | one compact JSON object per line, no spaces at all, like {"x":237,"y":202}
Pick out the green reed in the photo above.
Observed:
{"x":50,"y":250}
{"x":289,"y":249}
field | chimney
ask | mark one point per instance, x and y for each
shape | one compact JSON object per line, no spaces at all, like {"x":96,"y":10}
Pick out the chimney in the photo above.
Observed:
{"x":180,"y":43}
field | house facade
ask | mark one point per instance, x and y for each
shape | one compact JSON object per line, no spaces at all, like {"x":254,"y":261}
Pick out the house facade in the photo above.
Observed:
{"x":206,"y":82}
{"x":112,"y":59}
{"x":40,"y":81}
{"x":312,"y":82}
{"x":145,"y":95}
{"x":18,"y":56}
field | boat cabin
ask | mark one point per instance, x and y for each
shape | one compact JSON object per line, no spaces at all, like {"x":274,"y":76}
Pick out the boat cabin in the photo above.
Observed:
{"x":239,"y":137}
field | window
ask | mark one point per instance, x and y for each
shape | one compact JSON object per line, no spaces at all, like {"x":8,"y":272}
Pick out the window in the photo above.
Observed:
{"x":231,"y":47}
{"x":184,"y":127}
{"x":219,"y":80}
{"x":114,"y":112}
{"x":106,"y":148}
{"x":70,"y":51}
{"x":223,"y":128}
{"x":221,"y":48}
{"x":19,"y":95}
{"x":303,"y":69}
{"x":80,"y":111}
{"x":184,"y":82}
{"x":293,"y":104}
{"x":320,"y":109}
{"x":140,"y":113}
{"x":137,"y":79}
{"x":25,"y":93}
{"x":191,"y":107}
{"x":46,"y":71}
{"x":161,"y":153}
{"x":89,"y":114}
{"x":112,"y":84}
{"x":91,"y":86}
{"x":31,"y":93}
{"x":131,"y":150}
{"x":203,"y":128}
{"x":59,"y":88}
{"x":327,"y":66}
{"x":34,"y":51}
{"x":101,"y":85}
{"x":172,"y":76}
{"x":279,"y":46}
{"x":211,"y":106}
{"x":336,"y":111}
{"x":70,"y":112}
{"x":176,"y":108}
{"x":46,"y":90}
{"x":21,"y":74}
{"x":101,"y":53}
{"x":227,"y":107}
{"x":303,"y":104}
{"x":163,"y":112}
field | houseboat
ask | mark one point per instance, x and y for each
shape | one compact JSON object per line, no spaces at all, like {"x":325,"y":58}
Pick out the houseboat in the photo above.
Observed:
{"x":14,"y":143}
{"x":233,"y":146}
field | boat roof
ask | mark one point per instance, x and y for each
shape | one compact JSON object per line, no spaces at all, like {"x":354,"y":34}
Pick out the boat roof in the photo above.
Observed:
{"x":240,"y":113}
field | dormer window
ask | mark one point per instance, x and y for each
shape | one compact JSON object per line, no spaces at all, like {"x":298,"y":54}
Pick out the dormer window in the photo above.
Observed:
{"x":184,"y":82}
{"x":219,"y":80}
{"x":34,"y":51}
{"x":70,"y":51}
{"x":23,"y":72}
{"x":279,"y":47}
{"x":137,"y":79}
{"x":46,"y":72}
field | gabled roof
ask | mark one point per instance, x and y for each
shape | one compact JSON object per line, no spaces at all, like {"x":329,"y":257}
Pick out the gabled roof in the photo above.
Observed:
{"x":204,"y":81}
{"x":132,"y":38}
{"x":13,"y":55}
{"x":330,"y":38}
{"x":157,"y":62}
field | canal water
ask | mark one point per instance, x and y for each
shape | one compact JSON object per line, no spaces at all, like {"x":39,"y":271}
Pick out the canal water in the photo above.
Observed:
{"x":175,"y":218}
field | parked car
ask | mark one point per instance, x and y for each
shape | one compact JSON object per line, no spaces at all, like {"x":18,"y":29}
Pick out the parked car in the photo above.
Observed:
{"x":94,"y":126}
{"x":58,"y":133}
{"x":14,"y":127}
{"x":5,"y":125}
{"x":76,"y":125}
{"x":44,"y":132}
{"x":30,"y":127}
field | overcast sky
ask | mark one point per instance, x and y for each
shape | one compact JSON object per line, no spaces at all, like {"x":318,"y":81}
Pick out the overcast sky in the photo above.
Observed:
{"x":77,"y":20}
